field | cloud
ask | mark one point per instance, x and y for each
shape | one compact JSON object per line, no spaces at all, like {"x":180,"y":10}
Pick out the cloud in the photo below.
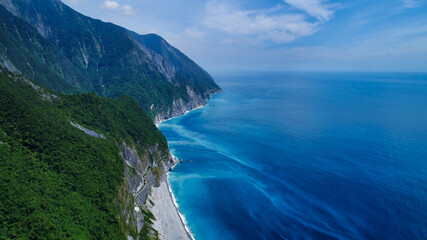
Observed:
{"x":314,"y":8}
{"x":410,"y":3}
{"x":110,"y":5}
{"x":126,"y":10}
{"x":264,"y":24}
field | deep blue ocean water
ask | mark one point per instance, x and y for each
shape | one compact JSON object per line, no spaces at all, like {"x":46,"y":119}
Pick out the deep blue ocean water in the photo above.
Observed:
{"x":305,"y":156}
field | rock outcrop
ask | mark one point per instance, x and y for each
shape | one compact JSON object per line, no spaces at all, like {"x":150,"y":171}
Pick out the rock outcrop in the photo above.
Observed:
{"x":87,"y":131}
{"x":142,"y":173}
{"x":180,"y":107}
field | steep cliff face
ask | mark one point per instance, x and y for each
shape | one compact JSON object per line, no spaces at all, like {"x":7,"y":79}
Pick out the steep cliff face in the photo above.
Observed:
{"x":180,"y":107}
{"x":92,"y":161}
{"x":142,"y":173}
{"x":143,"y":150}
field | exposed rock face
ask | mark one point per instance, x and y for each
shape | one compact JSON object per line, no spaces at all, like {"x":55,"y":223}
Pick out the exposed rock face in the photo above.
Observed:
{"x":142,"y":173}
{"x":46,"y":95}
{"x":180,"y":107}
{"x":157,"y":60}
{"x":87,"y":131}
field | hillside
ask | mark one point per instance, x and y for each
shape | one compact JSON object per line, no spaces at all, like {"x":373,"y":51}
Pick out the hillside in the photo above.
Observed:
{"x":106,"y":59}
{"x":57,"y":181}
{"x":23,"y":48}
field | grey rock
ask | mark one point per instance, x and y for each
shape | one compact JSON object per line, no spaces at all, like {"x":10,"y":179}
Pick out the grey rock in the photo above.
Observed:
{"x":87,"y":131}
{"x":180,"y":107}
{"x":140,"y":179}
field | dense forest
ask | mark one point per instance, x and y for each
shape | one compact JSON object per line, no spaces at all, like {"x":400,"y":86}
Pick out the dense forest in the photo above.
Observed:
{"x":56,"y":181}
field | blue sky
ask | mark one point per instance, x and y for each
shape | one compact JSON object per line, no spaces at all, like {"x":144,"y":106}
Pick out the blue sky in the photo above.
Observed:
{"x":308,"y":35}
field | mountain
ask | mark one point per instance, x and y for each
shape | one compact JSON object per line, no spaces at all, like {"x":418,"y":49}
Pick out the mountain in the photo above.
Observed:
{"x":23,"y":48}
{"x":79,"y":151}
{"x":75,"y":166}
{"x":110,"y":60}
{"x":203,"y":84}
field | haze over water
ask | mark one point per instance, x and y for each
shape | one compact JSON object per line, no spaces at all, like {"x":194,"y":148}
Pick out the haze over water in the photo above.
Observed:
{"x":305,"y":156}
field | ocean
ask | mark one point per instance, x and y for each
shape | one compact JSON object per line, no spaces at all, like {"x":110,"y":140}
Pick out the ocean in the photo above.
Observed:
{"x":305,"y":156}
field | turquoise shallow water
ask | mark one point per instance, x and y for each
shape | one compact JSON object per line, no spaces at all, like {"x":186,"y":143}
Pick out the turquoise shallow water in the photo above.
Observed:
{"x":305,"y":156}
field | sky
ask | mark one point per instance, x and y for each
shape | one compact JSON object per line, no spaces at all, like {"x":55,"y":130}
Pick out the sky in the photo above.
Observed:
{"x":280,"y":35}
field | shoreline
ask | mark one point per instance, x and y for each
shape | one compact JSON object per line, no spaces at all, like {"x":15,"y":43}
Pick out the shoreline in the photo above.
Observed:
{"x":181,"y":216}
{"x":185,"y":113}
{"x":170,"y":223}
{"x":167,"y":225}
{"x":196,"y":108}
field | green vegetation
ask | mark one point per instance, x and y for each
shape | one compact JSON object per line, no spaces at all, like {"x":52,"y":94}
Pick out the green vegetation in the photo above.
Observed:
{"x":188,"y":71}
{"x":78,"y":54}
{"x":36,"y":57}
{"x":57,"y":182}
{"x":121,"y":118}
{"x":147,"y":230}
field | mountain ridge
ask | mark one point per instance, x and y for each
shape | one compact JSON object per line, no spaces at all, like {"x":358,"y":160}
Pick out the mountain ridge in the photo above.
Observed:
{"x":114,"y":61}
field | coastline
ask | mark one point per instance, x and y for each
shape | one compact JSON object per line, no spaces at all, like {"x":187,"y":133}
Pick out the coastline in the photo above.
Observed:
{"x":181,"y":216}
{"x":157,"y":122}
{"x":185,"y":113}
{"x":170,"y":222}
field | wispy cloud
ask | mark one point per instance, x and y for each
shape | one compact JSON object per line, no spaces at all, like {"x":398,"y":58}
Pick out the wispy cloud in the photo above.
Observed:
{"x":315,"y":8}
{"x":410,"y":3}
{"x":266,"y":24}
{"x":126,"y":10}
{"x":110,"y":5}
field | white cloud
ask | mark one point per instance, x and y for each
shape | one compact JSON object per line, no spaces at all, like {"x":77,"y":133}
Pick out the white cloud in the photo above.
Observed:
{"x":110,"y":5}
{"x":280,"y":28}
{"x":410,"y":3}
{"x":314,"y":8}
{"x":126,"y":10}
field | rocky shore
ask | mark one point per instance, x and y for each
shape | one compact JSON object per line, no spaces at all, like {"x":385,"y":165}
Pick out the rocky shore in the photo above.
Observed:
{"x":169,"y":223}
{"x":180,"y":107}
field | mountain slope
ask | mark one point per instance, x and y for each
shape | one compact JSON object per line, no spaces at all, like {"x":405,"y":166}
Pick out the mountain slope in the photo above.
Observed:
{"x":57,"y":181}
{"x":183,"y":65}
{"x":114,"y":62}
{"x":23,"y":48}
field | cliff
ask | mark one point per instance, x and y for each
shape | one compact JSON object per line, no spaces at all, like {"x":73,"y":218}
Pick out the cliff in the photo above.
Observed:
{"x":68,"y":52}
{"x":142,"y":173}
{"x":76,"y":165}
{"x":180,"y":107}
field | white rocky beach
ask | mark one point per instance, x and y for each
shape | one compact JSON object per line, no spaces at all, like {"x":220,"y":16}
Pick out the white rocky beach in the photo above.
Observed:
{"x":169,"y":223}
